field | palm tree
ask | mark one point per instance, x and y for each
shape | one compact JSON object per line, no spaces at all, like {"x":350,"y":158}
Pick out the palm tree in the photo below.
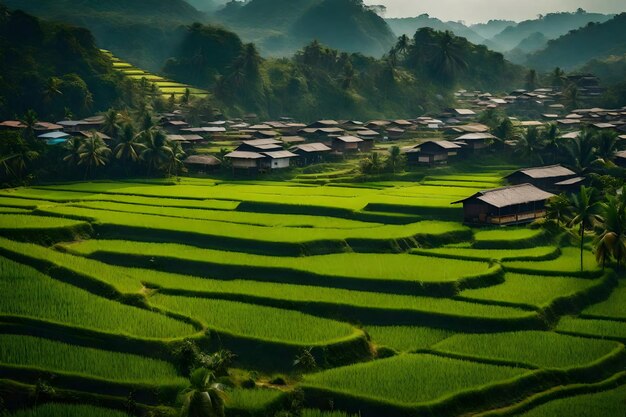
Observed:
{"x":204,"y":397}
{"x":611,"y":239}
{"x":582,"y":153}
{"x":395,"y":160}
{"x":558,"y":78}
{"x":174,"y":161}
{"x":72,"y":146}
{"x":607,"y":146}
{"x":529,"y":145}
{"x":552,"y":142}
{"x":585,"y":211}
{"x":447,"y":57}
{"x":93,"y":153}
{"x":558,"y":209}
{"x":157,"y":151}
{"x":111,"y":124}
{"x":402,"y":46}
{"x":128,"y":147}
{"x":52,"y":89}
{"x":29,"y":120}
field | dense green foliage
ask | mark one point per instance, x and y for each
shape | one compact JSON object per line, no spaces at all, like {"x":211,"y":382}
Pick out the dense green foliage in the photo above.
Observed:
{"x":53,"y":67}
{"x":582,"y":45}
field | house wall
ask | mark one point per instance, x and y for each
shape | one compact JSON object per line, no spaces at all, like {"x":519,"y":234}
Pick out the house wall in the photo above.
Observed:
{"x":244,"y":163}
{"x":279,"y":163}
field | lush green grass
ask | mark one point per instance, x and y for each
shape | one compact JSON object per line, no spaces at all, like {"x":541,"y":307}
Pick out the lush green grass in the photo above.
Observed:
{"x":27,"y":292}
{"x":13,"y":210}
{"x":129,"y":280}
{"x":568,"y":262}
{"x":406,"y":338}
{"x":164,"y":202}
{"x":529,"y":290}
{"x":252,"y":232}
{"x":252,"y":399}
{"x":613,"y":308}
{"x":67,"y":410}
{"x":39,"y":197}
{"x":258,"y":219}
{"x":595,"y":328}
{"x":506,"y":234}
{"x":60,"y":357}
{"x":118,"y":278}
{"x":20,"y":202}
{"x":411,"y":379}
{"x":603,"y":404}
{"x":488,"y":254}
{"x":255,"y":321}
{"x":24,"y":221}
{"x":355,"y":265}
{"x":540,"y":349}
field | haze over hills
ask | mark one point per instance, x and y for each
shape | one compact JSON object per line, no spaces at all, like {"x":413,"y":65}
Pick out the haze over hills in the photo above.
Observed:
{"x":280,"y":27}
{"x":594,"y":41}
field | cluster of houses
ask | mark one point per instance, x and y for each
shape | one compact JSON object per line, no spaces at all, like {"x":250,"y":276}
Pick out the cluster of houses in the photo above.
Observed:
{"x":60,"y":132}
{"x":524,"y":200}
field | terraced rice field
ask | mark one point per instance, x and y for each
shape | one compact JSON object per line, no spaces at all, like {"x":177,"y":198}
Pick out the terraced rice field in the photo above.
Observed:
{"x":403,"y":310}
{"x":165,"y":87}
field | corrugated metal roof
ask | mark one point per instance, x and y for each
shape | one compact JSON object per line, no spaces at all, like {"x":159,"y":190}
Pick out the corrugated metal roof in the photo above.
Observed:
{"x":280,"y":154}
{"x":571,"y":181}
{"x":442,"y":144}
{"x":312,"y":147}
{"x":202,"y":160}
{"x":545,"y":172}
{"x":349,"y":139}
{"x":244,"y":155}
{"x":261,"y":142}
{"x":510,"y":196}
{"x":476,"y":136}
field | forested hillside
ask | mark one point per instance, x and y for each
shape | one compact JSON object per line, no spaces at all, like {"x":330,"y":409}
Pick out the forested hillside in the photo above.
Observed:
{"x":144,"y":31}
{"x":280,"y":27}
{"x":408,"y":26}
{"x":594,"y":41}
{"x":53,"y":67}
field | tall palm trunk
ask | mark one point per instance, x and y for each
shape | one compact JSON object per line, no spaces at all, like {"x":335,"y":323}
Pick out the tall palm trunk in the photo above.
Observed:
{"x":582,"y":242}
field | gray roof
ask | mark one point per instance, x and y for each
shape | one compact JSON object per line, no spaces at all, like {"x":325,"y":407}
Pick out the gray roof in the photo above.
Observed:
{"x":551,"y":171}
{"x":280,"y":154}
{"x":312,"y":147}
{"x":571,"y":181}
{"x":442,"y":144}
{"x":261,"y":142}
{"x":244,"y":155}
{"x":510,"y":196}
{"x":476,"y":136}
{"x":349,"y":139}
{"x":202,"y":160}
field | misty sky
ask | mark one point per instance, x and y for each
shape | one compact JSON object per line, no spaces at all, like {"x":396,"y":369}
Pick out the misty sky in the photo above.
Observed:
{"x":473,"y":11}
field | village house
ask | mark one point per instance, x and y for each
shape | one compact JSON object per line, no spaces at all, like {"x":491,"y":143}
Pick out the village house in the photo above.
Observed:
{"x":346,"y":144}
{"x":543,"y":177}
{"x":202,"y":163}
{"x":475,"y":142}
{"x":310,"y":153}
{"x":260,"y":145}
{"x":174,"y":126}
{"x":323,"y":123}
{"x":246,"y":161}
{"x":432,"y":152}
{"x":515,"y":204}
{"x":277,"y":160}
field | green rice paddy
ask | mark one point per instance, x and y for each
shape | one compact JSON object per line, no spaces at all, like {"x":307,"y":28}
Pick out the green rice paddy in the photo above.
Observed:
{"x":473,"y":319}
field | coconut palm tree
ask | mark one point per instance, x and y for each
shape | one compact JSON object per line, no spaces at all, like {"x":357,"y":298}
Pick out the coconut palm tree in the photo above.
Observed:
{"x":29,"y":120}
{"x":111,"y":124}
{"x":558,"y":209}
{"x":157,"y":151}
{"x":585,"y":214}
{"x":174,"y":161}
{"x":611,"y":239}
{"x":129,"y":146}
{"x":72,"y":156}
{"x":558,"y":78}
{"x":530,"y":145}
{"x":552,"y":142}
{"x":447,"y":57}
{"x":581,"y":153}
{"x":395,"y":160}
{"x":93,"y":153}
{"x":607,"y":143}
{"x":204,"y":397}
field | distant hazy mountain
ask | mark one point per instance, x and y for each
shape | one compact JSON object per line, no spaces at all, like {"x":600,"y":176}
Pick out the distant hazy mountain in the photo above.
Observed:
{"x":280,"y":27}
{"x":409,"y":25}
{"x":594,"y":41}
{"x":491,"y":28}
{"x":142,"y":31}
{"x":533,"y":43}
{"x":551,"y":26}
